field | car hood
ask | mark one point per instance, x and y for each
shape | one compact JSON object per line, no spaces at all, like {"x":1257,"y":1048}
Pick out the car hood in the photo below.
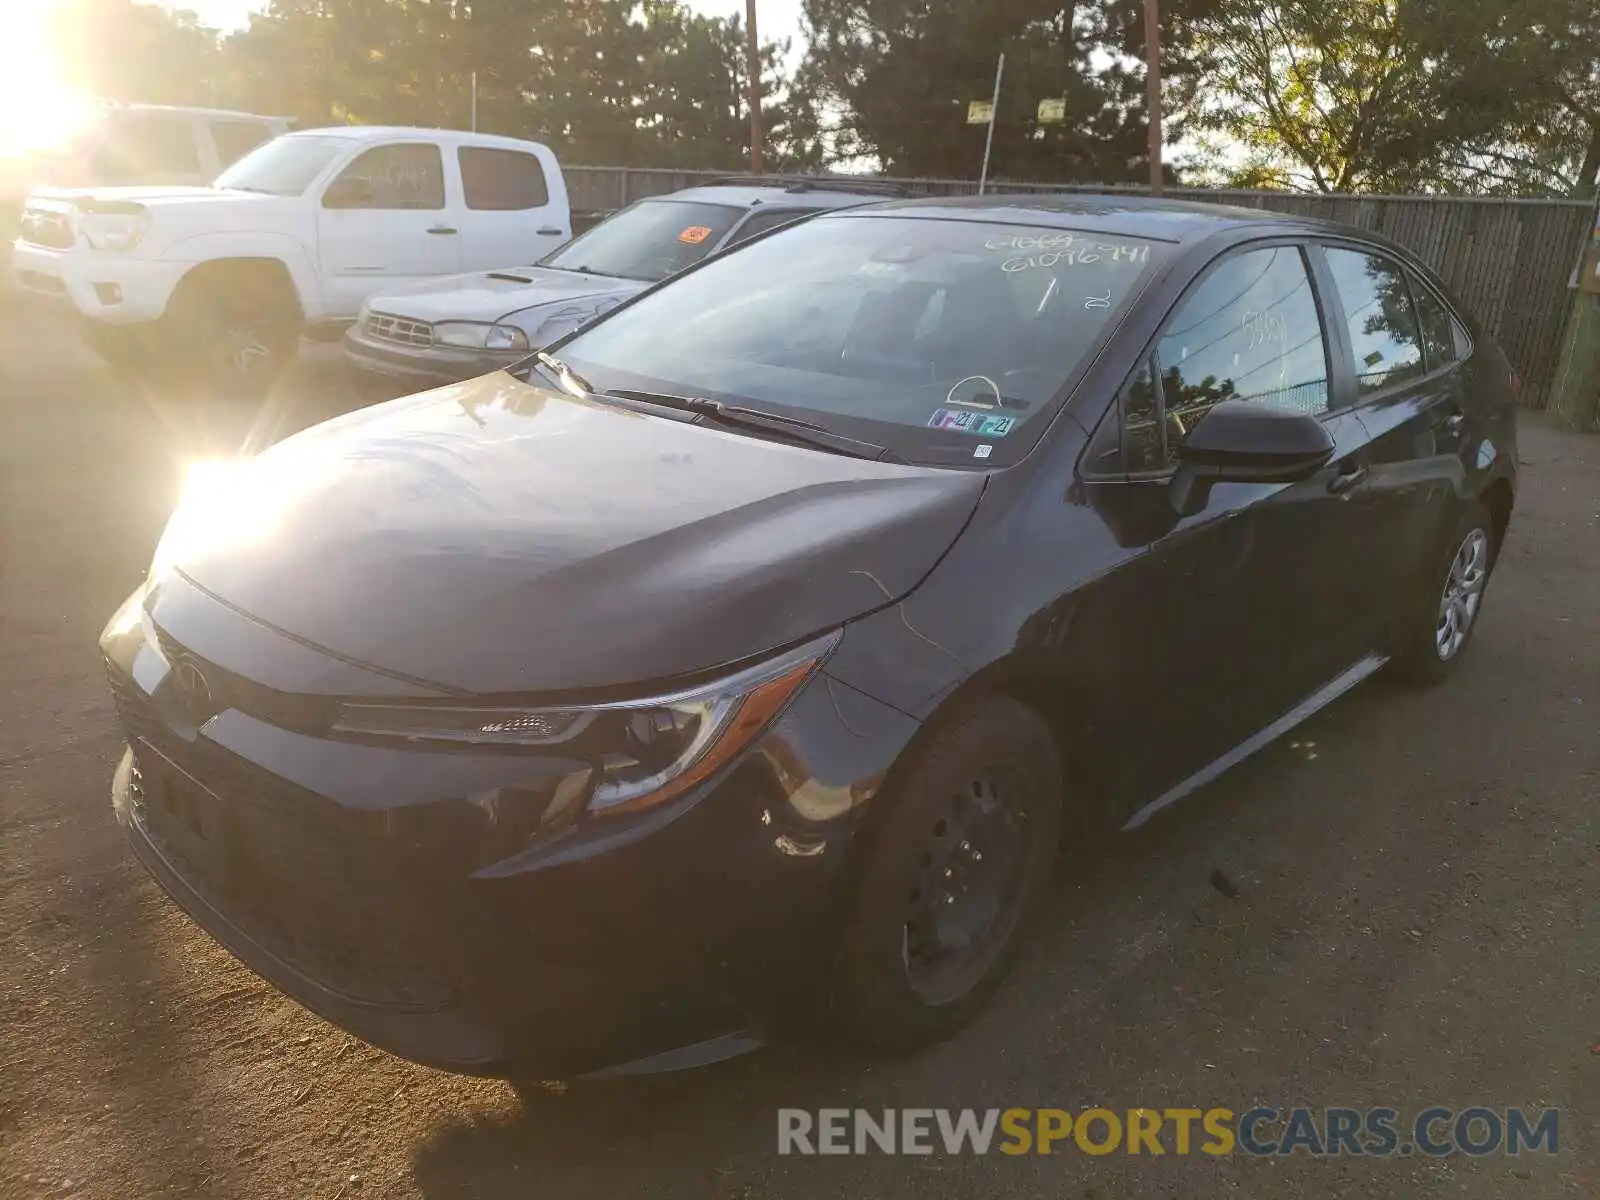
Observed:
{"x":494,"y":295}
{"x":499,"y":538}
{"x":151,"y":197}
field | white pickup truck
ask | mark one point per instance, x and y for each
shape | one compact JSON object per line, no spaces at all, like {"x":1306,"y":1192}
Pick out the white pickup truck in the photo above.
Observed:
{"x":219,"y":282}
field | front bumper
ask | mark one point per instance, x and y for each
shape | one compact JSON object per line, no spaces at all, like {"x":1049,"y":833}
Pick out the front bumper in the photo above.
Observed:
{"x":116,"y":289}
{"x":424,"y":365}
{"x":352,"y":878}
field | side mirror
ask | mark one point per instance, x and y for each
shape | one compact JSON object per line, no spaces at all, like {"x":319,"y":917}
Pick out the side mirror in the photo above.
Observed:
{"x":1241,"y":442}
{"x":348,"y":191}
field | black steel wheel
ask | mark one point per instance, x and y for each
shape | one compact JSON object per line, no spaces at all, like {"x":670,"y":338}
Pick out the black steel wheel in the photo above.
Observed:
{"x":958,"y":850}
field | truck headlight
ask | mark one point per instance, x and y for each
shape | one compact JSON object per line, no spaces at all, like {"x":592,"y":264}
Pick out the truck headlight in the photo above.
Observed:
{"x":473,"y":335}
{"x":641,"y":753}
{"x":113,"y":231}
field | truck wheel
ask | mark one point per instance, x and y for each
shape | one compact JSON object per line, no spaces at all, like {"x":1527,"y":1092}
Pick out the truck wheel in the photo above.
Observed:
{"x":230,"y":331}
{"x":960,"y":851}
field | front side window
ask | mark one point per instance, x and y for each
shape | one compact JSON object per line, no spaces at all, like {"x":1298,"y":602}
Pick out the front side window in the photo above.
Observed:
{"x":143,"y":146}
{"x":1383,"y":325}
{"x":502,"y":180}
{"x":649,"y":241}
{"x":1250,"y":331}
{"x":286,"y":166}
{"x":764,"y":221}
{"x":405,"y":176}
{"x":947,"y":341}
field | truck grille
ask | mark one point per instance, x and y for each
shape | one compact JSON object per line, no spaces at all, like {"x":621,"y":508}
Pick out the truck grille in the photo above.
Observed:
{"x":45,"y":227}
{"x":318,"y":887}
{"x":402,"y":331}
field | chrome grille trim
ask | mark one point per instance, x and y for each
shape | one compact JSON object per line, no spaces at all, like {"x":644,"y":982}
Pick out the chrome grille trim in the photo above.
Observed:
{"x":402,"y":331}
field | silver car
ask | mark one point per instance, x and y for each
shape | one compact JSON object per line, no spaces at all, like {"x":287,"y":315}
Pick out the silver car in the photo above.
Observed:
{"x":459,"y":326}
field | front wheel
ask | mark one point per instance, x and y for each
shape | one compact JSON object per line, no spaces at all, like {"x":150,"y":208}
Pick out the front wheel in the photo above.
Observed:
{"x":1436,"y":640}
{"x":961,"y":850}
{"x":230,"y":334}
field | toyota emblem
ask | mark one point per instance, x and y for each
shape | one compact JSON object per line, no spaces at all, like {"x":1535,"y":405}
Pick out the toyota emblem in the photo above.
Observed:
{"x":193,"y":691}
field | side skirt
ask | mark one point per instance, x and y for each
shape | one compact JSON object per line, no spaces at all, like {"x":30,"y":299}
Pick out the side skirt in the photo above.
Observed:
{"x":1307,"y":708}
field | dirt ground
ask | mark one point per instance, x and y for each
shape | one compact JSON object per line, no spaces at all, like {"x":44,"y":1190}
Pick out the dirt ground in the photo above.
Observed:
{"x":1417,"y":923}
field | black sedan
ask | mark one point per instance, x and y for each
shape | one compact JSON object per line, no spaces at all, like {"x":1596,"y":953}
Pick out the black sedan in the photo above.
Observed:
{"x":756,"y":652}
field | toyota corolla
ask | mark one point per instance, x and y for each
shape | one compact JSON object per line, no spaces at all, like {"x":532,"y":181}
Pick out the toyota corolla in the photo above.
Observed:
{"x":755,"y":652}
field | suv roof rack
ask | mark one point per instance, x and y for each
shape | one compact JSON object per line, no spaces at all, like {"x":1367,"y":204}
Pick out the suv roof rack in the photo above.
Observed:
{"x":810,"y":183}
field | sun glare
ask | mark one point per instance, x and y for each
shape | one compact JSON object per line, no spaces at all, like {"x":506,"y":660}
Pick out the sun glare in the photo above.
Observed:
{"x":38,"y":110}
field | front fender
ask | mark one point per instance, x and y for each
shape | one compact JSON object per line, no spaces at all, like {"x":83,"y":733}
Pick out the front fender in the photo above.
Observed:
{"x":198,"y":249}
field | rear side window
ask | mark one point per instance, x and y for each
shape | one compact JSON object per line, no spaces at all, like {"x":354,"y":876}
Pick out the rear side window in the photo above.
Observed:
{"x":1251,"y":332}
{"x":145,"y":147}
{"x":235,"y":139}
{"x":1384,"y":333}
{"x":406,"y":176}
{"x":1438,"y":328}
{"x":502,"y":180}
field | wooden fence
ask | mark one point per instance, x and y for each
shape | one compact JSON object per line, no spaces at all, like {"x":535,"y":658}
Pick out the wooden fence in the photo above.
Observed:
{"x":1508,"y":260}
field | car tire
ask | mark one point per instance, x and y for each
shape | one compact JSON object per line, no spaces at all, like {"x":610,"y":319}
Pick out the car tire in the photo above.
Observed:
{"x":229,"y":333}
{"x":1435,"y":638}
{"x":932,"y":924}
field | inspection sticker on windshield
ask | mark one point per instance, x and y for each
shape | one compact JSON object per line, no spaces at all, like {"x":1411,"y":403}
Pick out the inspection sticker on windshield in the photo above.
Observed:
{"x":983,"y":451}
{"x":695,"y":234}
{"x":972,"y":422}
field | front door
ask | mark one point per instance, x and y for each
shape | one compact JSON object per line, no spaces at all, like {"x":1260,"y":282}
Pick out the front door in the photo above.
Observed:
{"x":384,"y":221}
{"x":1222,"y":620}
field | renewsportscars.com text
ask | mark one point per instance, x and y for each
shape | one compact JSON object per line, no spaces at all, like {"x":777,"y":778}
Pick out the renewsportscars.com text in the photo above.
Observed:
{"x":1325,"y":1133}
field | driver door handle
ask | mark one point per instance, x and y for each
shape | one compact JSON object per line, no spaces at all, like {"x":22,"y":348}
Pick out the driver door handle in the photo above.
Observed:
{"x":1349,"y":477}
{"x":442,"y":229}
{"x":551,"y":231}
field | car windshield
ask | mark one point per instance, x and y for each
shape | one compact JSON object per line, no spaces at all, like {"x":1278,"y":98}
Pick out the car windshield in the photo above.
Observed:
{"x":285,"y":166}
{"x":947,"y":341}
{"x":649,"y":241}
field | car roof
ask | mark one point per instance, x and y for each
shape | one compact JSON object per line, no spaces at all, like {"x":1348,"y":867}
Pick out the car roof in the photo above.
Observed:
{"x":373,"y":133}
{"x":190,"y":110}
{"x":797,"y":194}
{"x":1119,"y":216}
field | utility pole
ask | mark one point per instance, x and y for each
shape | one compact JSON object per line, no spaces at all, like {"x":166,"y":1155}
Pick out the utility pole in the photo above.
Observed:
{"x":994,"y":115}
{"x":1152,"y":56}
{"x":753,"y":70}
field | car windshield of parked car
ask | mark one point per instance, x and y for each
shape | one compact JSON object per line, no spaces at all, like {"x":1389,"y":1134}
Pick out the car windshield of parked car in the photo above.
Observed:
{"x":285,"y":166}
{"x":649,"y":241}
{"x":947,"y":341}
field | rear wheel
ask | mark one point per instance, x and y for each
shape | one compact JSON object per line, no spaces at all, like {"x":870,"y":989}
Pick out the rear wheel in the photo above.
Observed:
{"x":962,"y":851}
{"x":1436,"y":640}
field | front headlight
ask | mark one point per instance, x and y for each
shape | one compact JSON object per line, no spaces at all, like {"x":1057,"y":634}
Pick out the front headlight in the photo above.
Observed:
{"x":639,"y":753}
{"x":113,"y":231}
{"x":473,"y":335}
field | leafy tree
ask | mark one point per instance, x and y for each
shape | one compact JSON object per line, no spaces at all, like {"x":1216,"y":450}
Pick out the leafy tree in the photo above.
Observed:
{"x":1402,"y":95}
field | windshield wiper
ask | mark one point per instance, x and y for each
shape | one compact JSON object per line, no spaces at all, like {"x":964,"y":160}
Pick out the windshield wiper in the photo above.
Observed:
{"x":732,"y":416}
{"x":569,"y":379}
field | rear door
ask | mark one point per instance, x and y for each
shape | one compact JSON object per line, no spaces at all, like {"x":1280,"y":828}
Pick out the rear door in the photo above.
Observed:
{"x":386,"y":220}
{"x":1241,"y":608}
{"x":1407,"y":364}
{"x":511,"y":217}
